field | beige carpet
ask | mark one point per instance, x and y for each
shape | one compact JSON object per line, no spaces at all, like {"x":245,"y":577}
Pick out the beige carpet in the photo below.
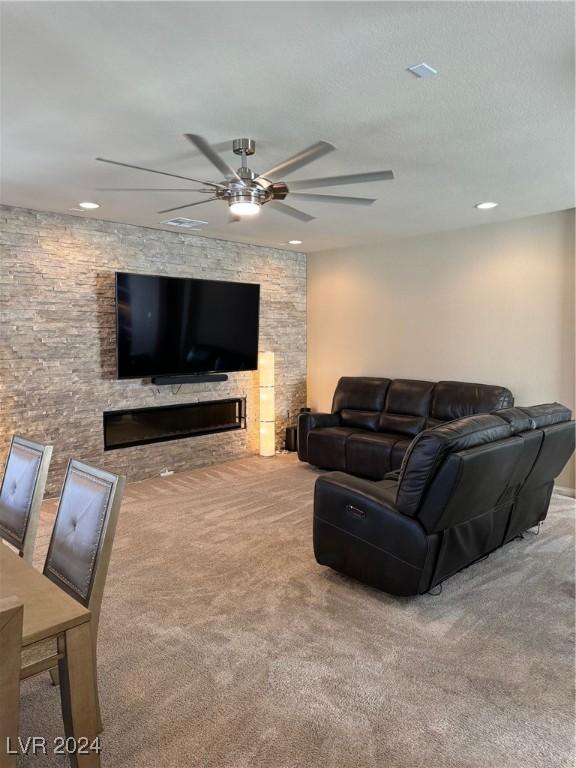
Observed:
{"x":224,"y":645}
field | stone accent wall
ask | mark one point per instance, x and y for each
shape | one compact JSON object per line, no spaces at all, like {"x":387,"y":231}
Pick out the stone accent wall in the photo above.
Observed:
{"x":57,"y":363}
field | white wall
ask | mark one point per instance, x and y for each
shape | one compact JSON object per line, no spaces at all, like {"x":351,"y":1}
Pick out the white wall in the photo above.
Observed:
{"x":492,"y":304}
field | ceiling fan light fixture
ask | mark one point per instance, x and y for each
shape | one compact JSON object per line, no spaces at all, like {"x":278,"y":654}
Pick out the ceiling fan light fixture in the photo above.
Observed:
{"x":244,"y":208}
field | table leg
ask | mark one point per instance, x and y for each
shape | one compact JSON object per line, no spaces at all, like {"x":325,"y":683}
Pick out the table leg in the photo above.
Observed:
{"x":11,"y":613}
{"x":78,"y":694}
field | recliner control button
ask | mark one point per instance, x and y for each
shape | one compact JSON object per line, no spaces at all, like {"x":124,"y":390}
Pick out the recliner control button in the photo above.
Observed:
{"x":355,"y":511}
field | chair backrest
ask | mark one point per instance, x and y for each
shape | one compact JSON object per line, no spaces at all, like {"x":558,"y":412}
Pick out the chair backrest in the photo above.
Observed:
{"x":22,"y":492}
{"x":11,"y":616}
{"x":81,"y":543}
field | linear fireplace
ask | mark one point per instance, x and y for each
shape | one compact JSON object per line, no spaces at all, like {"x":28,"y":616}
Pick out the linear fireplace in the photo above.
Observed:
{"x":139,"y":426}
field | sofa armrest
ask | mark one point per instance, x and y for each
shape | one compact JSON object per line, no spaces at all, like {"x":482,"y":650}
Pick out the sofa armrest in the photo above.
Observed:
{"x":367,"y":511}
{"x":309,"y":421}
{"x":365,"y":493}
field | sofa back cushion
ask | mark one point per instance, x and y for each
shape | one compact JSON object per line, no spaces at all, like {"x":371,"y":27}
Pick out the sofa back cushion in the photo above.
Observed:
{"x":359,"y":419}
{"x":547,"y":414}
{"x":553,"y":422}
{"x":470,"y":483}
{"x":429,"y":449}
{"x":401,"y":424}
{"x":360,"y":393}
{"x":456,"y":399}
{"x":548,"y":431}
{"x":518,"y":419}
{"x":407,"y":406}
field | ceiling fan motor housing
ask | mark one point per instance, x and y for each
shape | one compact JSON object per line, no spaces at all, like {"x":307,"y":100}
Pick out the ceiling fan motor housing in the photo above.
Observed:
{"x":247,"y":195}
{"x":244,"y":146}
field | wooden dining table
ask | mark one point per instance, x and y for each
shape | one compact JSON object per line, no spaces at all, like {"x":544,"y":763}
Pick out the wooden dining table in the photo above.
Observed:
{"x":49,"y":613}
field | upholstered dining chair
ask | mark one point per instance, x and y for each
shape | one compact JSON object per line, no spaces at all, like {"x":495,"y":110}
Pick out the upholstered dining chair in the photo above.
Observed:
{"x":11,"y":615}
{"x":80,"y":547}
{"x":22,"y":492}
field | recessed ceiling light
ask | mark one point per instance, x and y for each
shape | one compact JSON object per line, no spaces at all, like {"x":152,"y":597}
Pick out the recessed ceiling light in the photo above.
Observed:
{"x":486,"y":206}
{"x":88,"y":206}
{"x":423,"y":70}
{"x":295,"y":242}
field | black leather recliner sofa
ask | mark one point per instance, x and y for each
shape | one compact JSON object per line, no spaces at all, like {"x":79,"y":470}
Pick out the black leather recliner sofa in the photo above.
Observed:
{"x":374,"y":420}
{"x":465,"y":488}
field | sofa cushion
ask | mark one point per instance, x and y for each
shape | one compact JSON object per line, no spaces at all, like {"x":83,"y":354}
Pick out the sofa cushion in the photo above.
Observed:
{"x":547,"y":414}
{"x":430,"y":447}
{"x":401,"y":424}
{"x":370,"y":454}
{"x":362,"y":393}
{"x":409,"y":396}
{"x":518,"y":420}
{"x":407,"y":405}
{"x":307,"y":422}
{"x":456,"y":399}
{"x":360,"y":419}
{"x":327,"y":447}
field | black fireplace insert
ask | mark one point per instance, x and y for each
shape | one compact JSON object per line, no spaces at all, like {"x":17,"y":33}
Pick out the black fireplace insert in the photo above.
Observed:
{"x":139,"y":426}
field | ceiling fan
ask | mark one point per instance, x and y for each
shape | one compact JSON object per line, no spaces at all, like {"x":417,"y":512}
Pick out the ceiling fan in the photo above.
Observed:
{"x":245,"y":192}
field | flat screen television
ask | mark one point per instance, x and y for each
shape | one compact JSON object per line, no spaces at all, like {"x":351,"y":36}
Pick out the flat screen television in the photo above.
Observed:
{"x":171,"y":326}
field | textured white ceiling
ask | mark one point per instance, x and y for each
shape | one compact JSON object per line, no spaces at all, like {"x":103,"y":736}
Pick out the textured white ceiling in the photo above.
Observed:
{"x":126,"y":80}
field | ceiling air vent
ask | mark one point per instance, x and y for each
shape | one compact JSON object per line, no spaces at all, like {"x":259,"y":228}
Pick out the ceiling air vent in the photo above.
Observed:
{"x":423,"y":70}
{"x":185,"y":223}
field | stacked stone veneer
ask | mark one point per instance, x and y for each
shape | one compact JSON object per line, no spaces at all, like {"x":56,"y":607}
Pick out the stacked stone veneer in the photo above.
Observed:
{"x":58,"y":357}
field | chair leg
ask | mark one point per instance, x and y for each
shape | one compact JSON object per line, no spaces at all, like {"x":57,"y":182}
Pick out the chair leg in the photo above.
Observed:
{"x":78,"y":695}
{"x":94,"y":630}
{"x":55,"y":675}
{"x":99,"y":725}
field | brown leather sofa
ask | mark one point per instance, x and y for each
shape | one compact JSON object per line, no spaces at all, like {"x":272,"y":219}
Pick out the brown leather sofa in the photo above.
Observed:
{"x":465,"y":488}
{"x":374,"y":420}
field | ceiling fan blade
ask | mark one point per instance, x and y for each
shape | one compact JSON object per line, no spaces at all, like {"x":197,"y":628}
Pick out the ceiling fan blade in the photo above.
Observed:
{"x":208,"y":151}
{"x":289,"y":211}
{"x":162,"y":173}
{"x":182,"y":157}
{"x":188,"y":205}
{"x":292,"y":164}
{"x":333,"y":198}
{"x":333,"y":181}
{"x":152,"y":189}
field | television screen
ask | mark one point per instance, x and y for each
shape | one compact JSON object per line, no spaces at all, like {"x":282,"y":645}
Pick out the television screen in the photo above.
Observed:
{"x":174,"y":326}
